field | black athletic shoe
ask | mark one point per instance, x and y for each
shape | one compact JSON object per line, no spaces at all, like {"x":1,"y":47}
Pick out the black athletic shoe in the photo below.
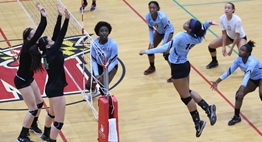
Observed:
{"x":26,"y":139}
{"x":36,"y":130}
{"x":83,"y":7}
{"x":212,"y":65}
{"x":44,"y":138}
{"x":93,"y":7}
{"x":212,"y":114}
{"x":234,"y":120}
{"x":199,"y":128}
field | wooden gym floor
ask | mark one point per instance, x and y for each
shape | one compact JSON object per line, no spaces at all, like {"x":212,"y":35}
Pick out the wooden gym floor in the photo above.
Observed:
{"x":150,"y":109}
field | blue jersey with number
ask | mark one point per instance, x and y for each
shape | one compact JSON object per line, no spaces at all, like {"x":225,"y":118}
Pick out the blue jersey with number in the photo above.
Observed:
{"x":252,"y":69}
{"x":161,"y":24}
{"x":180,"y":45}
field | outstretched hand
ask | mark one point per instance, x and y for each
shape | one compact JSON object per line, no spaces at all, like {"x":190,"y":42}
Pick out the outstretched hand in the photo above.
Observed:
{"x":213,"y":85}
{"x":142,"y":52}
{"x":41,"y":8}
{"x":60,"y":12}
{"x":213,"y":23}
{"x":67,"y":14}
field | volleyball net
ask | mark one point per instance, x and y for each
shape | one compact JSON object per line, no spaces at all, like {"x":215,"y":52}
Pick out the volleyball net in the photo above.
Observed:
{"x":76,"y":45}
{"x":78,"y":66}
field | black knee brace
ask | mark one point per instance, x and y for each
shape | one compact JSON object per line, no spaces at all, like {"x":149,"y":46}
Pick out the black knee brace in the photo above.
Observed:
{"x":211,"y":49}
{"x":58,"y":125}
{"x":166,"y":56}
{"x":33,"y":112}
{"x":51,"y":116}
{"x":150,"y":55}
{"x":186,"y":100}
{"x":40,"y":105}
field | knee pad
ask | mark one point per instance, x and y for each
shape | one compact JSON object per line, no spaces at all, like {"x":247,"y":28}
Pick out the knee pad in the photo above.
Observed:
{"x":186,"y":100}
{"x":58,"y":125}
{"x":211,"y":49}
{"x":51,"y":116}
{"x":33,"y":112}
{"x":40,"y":105}
{"x":190,"y":91}
{"x":150,"y":55}
{"x":166,"y":56}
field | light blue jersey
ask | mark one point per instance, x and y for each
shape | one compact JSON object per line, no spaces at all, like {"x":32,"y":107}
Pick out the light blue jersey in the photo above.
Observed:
{"x":180,"y":45}
{"x":161,"y":24}
{"x":252,"y":69}
{"x":110,"y":49}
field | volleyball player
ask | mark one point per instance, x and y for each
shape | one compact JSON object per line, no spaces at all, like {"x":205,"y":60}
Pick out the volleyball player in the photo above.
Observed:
{"x":252,"y":68}
{"x":24,"y":80}
{"x":54,"y":65}
{"x":159,"y":28}
{"x":106,"y":47}
{"x":180,"y":45}
{"x":232,"y":33}
{"x":84,"y":4}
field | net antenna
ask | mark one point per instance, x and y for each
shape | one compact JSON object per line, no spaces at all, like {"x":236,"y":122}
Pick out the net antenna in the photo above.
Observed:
{"x":74,"y":30}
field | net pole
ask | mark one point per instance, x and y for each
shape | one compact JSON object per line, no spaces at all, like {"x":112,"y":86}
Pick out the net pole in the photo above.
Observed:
{"x":83,"y":47}
{"x":105,"y":80}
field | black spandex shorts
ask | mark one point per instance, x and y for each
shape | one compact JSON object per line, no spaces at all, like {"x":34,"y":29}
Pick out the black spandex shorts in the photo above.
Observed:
{"x":54,"y":93}
{"x":21,"y":82}
{"x":180,"y":70}
{"x":232,"y":40}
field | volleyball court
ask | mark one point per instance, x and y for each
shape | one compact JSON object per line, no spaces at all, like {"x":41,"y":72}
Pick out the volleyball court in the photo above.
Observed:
{"x":107,"y":116}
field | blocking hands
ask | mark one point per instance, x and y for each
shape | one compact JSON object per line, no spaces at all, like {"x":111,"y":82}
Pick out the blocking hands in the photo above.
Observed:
{"x":41,"y":9}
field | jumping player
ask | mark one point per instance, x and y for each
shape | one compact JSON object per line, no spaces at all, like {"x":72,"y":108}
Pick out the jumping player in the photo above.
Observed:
{"x":252,"y":68}
{"x":180,"y":45}
{"x":54,"y":65}
{"x":232,"y":33}
{"x":24,"y":80}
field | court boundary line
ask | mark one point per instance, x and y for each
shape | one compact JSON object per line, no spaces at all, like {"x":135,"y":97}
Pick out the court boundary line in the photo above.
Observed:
{"x":216,"y":2}
{"x":202,"y":76}
{"x":9,"y":44}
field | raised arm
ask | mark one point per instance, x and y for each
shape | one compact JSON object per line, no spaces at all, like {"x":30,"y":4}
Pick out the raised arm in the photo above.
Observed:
{"x":62,"y":33}
{"x":40,"y":29}
{"x":57,"y":28}
{"x":58,"y":23}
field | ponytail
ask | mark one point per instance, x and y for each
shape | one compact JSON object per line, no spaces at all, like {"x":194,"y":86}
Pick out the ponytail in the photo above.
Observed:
{"x":249,"y":45}
{"x":36,"y":56}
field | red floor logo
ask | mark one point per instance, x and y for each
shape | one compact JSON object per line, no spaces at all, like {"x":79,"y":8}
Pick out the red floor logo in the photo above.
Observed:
{"x":73,"y":51}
